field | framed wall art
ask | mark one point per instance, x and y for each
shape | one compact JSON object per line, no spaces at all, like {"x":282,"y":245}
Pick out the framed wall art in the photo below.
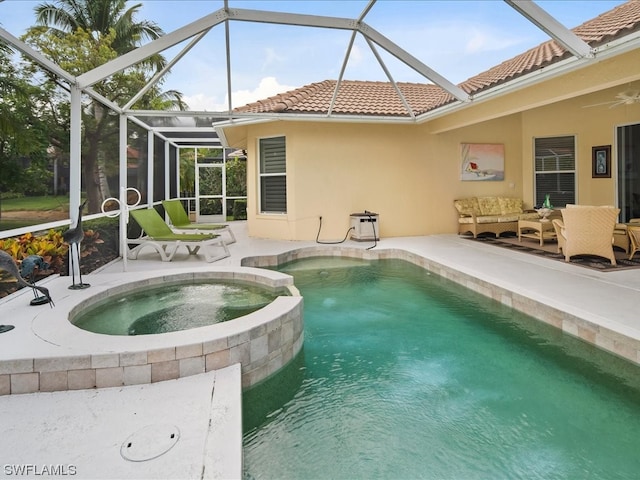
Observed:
{"x":482,"y":162}
{"x":601,"y":161}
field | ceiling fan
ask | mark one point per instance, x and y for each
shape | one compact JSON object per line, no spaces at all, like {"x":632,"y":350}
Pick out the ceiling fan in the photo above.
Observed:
{"x":628,"y":97}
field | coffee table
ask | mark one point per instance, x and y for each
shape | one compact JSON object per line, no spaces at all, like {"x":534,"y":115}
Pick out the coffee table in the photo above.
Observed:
{"x":537,"y":229}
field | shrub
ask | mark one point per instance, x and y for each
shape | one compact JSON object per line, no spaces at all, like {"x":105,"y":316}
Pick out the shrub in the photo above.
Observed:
{"x":240,"y":210}
{"x":50,"y":247}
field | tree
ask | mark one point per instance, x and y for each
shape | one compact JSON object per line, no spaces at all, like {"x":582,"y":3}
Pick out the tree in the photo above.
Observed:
{"x":80,"y":35}
{"x":23,"y":133}
{"x":187,"y":172}
{"x":236,"y":177}
{"x":99,"y":17}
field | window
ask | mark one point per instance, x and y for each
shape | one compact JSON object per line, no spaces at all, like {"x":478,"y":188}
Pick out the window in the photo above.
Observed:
{"x":555,"y":170}
{"x":273,"y":175}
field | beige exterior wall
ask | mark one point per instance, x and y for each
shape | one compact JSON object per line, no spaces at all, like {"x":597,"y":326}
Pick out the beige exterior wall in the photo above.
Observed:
{"x":403,"y":173}
{"x":410,"y":174}
{"x":592,"y":126}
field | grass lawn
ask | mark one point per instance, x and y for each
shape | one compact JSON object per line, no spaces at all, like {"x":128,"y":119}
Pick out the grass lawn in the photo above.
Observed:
{"x":26,"y":211}
{"x":10,"y":224}
{"x":36,"y":203}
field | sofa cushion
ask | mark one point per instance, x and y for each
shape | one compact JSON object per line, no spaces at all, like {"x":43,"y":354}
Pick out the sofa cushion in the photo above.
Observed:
{"x":514,"y":217}
{"x":509,"y":205}
{"x":489,"y":206}
{"x":467,"y":206}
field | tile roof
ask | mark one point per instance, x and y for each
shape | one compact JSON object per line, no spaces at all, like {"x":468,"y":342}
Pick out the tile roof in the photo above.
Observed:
{"x":380,"y":98}
{"x":616,"y":23}
{"x":354,"y":98}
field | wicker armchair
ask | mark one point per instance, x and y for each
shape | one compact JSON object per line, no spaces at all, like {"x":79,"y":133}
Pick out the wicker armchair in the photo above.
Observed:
{"x":621,"y":236}
{"x":634,"y":238}
{"x":586,"y":230}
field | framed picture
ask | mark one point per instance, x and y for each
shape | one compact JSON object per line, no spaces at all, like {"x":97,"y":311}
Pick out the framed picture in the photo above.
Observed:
{"x":482,"y":162}
{"x":601,"y":159}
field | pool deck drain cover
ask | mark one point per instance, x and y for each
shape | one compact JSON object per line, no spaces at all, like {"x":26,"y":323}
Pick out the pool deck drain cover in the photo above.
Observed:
{"x":149,"y":442}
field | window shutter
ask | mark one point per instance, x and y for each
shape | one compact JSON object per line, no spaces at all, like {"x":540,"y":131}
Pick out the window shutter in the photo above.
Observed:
{"x":273,"y":179}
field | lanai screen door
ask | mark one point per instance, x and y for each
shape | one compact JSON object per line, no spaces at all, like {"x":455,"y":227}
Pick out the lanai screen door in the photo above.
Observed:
{"x":210,"y":190}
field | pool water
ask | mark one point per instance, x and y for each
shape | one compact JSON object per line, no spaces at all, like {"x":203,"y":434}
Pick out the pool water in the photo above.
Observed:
{"x":404,"y":375}
{"x":173,"y":307}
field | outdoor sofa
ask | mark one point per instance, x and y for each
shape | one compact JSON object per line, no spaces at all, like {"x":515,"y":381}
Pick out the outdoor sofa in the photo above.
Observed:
{"x":490,"y":214}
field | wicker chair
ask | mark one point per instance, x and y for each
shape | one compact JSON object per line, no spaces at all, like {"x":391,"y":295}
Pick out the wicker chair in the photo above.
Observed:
{"x":634,"y":237}
{"x":586,"y":230}
{"x":621,"y":237}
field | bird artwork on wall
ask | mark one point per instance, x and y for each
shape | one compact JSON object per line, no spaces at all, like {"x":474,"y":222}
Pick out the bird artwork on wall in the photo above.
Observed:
{"x":9,"y":265}
{"x":74,"y":237}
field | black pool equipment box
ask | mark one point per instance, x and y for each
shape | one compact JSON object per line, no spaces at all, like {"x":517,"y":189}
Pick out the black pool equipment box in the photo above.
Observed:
{"x":365,"y":226}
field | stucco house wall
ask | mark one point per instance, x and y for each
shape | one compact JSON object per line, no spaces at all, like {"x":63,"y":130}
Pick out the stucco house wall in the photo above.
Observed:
{"x":592,"y":126}
{"x":402,"y":172}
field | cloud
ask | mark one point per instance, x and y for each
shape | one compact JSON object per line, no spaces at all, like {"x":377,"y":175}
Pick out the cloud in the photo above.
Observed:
{"x":267,"y":87}
{"x":271,"y":57}
{"x":486,"y":41}
{"x":356,"y":56}
{"x":201,"y":102}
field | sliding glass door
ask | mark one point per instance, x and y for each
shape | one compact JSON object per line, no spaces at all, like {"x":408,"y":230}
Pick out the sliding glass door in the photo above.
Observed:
{"x":628,"y":143}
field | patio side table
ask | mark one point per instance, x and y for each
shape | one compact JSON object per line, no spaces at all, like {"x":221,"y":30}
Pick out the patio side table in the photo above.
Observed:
{"x":536,"y":229}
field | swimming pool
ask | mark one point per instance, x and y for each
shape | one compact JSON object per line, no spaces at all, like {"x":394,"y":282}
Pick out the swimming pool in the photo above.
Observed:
{"x":405,"y":374}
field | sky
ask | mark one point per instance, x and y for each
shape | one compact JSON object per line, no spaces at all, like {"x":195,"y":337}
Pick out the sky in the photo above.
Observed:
{"x":456,"y":38}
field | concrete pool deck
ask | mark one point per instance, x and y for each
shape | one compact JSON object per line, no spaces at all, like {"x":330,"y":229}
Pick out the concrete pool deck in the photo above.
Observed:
{"x":86,"y":429}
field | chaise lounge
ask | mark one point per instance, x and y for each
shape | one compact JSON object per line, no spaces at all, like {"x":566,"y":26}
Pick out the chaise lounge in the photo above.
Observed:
{"x":158,"y":235}
{"x":180,"y":221}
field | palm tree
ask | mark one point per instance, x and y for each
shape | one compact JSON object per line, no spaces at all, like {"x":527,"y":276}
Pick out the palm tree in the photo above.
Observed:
{"x":106,"y":20}
{"x":98,"y":17}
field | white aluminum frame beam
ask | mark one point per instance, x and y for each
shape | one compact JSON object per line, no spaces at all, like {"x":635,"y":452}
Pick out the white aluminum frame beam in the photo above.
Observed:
{"x":194,"y":139}
{"x":413,"y":62}
{"x":166,"y":68}
{"x":349,"y":24}
{"x":547,"y":23}
{"x":390,"y":77}
{"x":37,"y":56}
{"x":261,"y":16}
{"x":156,"y":46}
{"x":341,"y":74}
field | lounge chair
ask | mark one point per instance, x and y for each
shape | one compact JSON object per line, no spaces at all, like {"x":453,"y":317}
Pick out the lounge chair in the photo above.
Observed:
{"x":158,"y":235}
{"x":180,"y":221}
{"x":586,"y":230}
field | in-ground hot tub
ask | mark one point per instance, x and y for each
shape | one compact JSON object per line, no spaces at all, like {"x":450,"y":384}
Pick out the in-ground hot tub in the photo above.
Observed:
{"x":262,"y":341}
{"x":174,"y":307}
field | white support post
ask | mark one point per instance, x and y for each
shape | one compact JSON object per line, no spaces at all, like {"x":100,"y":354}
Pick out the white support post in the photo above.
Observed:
{"x":75,"y":165}
{"x":150,"y":164}
{"x":124,"y":220}
{"x":167,"y":170}
{"x":178,"y":172}
{"x":224,"y":185}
